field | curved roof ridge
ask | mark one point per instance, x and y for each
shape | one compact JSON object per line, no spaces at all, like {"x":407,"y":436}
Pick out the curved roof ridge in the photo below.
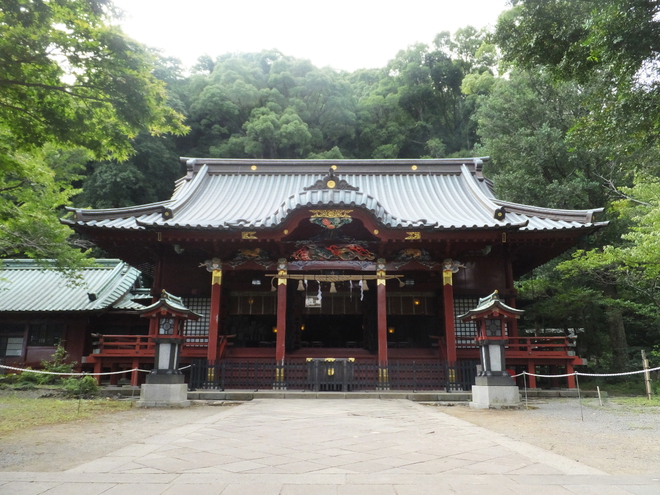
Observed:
{"x":88,"y":215}
{"x":581,"y":216}
{"x":186,"y":193}
{"x":488,"y":203}
{"x":350,"y":198}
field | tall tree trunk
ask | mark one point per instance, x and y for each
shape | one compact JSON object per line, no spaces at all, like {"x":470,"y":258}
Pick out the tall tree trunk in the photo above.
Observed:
{"x":617,"y":331}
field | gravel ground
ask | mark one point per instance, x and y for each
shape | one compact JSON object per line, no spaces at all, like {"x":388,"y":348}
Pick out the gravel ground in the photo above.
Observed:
{"x":615,"y":439}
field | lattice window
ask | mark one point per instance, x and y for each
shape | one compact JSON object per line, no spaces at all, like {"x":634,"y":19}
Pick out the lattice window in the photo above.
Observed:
{"x":198,"y":330}
{"x":465,"y":331}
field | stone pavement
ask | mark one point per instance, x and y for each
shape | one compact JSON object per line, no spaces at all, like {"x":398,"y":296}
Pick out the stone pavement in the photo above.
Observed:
{"x":338,"y":447}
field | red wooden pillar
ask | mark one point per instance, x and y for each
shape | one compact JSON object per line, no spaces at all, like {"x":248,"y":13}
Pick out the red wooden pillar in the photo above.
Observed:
{"x":381,"y":301}
{"x":214,"y":317}
{"x":531,"y":368}
{"x":511,"y":300}
{"x":98,"y":368}
{"x":280,"y":343}
{"x":135,"y":374}
{"x":114,"y":378}
{"x":450,"y":329}
{"x":570,"y":379}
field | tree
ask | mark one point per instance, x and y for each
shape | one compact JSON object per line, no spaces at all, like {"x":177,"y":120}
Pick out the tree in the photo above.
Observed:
{"x":70,"y":80}
{"x":614,"y":44}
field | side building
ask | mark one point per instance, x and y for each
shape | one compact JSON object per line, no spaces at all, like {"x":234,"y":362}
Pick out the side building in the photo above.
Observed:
{"x":40,"y":308}
{"x":291,"y":261}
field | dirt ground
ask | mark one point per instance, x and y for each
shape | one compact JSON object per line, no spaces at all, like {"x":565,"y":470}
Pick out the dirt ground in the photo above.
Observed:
{"x":611,"y":438}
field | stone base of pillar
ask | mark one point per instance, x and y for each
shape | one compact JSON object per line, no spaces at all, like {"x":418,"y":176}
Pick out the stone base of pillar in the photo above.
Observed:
{"x":495,"y":397}
{"x":164,"y":391}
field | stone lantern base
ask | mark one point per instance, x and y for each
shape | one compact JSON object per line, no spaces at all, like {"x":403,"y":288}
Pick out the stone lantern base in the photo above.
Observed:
{"x":495,"y":392}
{"x":164,"y":390}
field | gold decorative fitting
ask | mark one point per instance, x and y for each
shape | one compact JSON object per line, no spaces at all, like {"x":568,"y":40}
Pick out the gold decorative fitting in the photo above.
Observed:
{"x":249,"y":235}
{"x":334,"y":167}
{"x":216,"y":278}
{"x":331,"y":184}
{"x":447,"y":277}
{"x":286,"y":232}
{"x":331,"y":213}
{"x":413,"y":236}
{"x":380,"y":281}
{"x":503,"y":236}
{"x":253,"y":167}
{"x":376,"y":232}
{"x":414,"y":167}
{"x":281,"y":281}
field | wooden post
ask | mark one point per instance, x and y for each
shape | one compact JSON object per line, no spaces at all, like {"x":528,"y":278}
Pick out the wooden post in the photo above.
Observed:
{"x":647,"y":375}
{"x":511,"y":300}
{"x":381,"y":301}
{"x":214,"y":317}
{"x":450,"y":329}
{"x":135,"y":376}
{"x":98,"y":368}
{"x":280,"y":343}
{"x":531,"y":368}
{"x":570,"y":380}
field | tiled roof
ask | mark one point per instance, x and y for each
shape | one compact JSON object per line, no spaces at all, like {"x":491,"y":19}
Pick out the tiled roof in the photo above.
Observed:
{"x":28,"y":286}
{"x":259,"y":194}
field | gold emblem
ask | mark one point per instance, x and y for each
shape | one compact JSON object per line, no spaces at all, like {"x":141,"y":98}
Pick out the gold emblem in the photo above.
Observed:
{"x":414,"y":167}
{"x":334,"y":167}
{"x":413,"y":236}
{"x":248,"y":235}
{"x":331,"y":184}
{"x":331,"y":213}
{"x":376,"y":231}
{"x":286,"y":232}
{"x":253,"y":167}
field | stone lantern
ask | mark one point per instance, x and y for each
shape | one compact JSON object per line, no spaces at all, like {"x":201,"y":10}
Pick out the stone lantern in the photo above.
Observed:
{"x":494,"y":387}
{"x":165,"y":386}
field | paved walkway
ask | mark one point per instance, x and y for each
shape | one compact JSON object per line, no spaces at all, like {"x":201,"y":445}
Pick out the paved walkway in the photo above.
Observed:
{"x":338,"y":447}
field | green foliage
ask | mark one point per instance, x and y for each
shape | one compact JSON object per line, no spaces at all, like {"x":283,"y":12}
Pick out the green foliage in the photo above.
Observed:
{"x":73,"y":87}
{"x":609,"y":44}
{"x":28,"y":378}
{"x":56,"y":365}
{"x":71,"y":77}
{"x":81,"y":387}
{"x":634,"y":263}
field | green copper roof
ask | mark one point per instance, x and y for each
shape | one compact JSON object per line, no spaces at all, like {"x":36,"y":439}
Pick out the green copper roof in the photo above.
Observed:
{"x":27,"y":286}
{"x":488,"y":304}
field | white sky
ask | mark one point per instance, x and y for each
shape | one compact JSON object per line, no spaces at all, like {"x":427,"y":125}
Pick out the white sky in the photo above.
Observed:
{"x":343,"y":34}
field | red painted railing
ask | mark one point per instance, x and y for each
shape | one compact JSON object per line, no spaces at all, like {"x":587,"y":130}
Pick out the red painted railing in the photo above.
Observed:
{"x":142,"y":345}
{"x":541,"y":346}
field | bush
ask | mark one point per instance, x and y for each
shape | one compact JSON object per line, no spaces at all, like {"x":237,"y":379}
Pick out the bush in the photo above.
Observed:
{"x":26,"y":377}
{"x":84,"y":387}
{"x":57,"y":365}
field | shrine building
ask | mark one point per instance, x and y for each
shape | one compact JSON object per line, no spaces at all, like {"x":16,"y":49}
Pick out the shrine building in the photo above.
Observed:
{"x":367,"y":262}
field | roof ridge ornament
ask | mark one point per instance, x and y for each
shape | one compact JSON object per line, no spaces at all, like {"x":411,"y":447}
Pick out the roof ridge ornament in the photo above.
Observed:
{"x":331,"y":181}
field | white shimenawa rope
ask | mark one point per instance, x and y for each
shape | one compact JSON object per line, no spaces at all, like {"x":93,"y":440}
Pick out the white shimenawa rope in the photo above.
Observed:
{"x":576,"y":373}
{"x":78,"y":374}
{"x":185,"y":367}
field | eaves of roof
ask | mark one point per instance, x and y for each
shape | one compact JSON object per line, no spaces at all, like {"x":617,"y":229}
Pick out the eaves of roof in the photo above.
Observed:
{"x":26,"y":286}
{"x":229,"y":194}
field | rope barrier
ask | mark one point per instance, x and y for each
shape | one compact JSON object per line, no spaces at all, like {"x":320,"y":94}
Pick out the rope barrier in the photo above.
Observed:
{"x":23,"y":370}
{"x":72,"y":373}
{"x":576,"y":373}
